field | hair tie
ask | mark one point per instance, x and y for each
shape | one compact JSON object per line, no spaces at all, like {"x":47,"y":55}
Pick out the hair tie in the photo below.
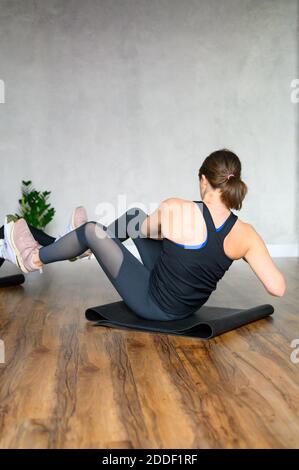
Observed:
{"x":229,"y":176}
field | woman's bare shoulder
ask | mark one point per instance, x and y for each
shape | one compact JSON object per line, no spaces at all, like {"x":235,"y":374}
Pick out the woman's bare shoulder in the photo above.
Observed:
{"x":246,"y":234}
{"x":240,"y":238}
{"x":242,"y":225}
{"x":176,"y":201}
{"x":245,"y":227}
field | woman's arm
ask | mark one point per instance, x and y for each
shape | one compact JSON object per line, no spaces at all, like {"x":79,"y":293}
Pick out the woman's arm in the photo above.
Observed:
{"x":260,"y":261}
{"x":151,"y":226}
{"x":163,"y":220}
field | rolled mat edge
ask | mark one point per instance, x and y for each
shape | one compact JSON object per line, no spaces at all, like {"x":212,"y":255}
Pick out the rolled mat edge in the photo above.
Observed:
{"x":206,"y":323}
{"x":10,"y":281}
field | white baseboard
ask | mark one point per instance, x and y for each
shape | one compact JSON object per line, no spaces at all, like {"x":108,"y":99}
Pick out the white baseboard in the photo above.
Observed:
{"x":276,"y":251}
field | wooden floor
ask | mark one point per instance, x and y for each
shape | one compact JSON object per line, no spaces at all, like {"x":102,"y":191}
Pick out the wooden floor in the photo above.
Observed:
{"x":67,"y":384}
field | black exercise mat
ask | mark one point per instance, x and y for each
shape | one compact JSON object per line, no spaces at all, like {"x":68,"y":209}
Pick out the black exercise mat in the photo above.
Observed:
{"x":206,"y":323}
{"x":9,"y":281}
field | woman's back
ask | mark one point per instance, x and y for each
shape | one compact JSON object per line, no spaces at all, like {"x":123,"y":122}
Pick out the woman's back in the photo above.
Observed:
{"x":200,"y":242}
{"x":183,"y":223}
{"x":189,"y":268}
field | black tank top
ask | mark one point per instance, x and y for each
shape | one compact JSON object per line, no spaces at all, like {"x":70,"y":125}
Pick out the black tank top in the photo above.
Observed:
{"x":183,"y":279}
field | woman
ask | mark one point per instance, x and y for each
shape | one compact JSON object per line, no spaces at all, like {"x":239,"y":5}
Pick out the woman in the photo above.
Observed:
{"x":181,"y":261}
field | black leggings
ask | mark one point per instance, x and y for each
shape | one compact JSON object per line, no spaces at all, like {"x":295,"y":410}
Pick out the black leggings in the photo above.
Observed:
{"x":128,"y":275}
{"x":41,"y":237}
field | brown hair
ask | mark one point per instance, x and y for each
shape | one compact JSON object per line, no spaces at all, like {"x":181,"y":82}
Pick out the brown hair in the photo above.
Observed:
{"x":223,"y":170}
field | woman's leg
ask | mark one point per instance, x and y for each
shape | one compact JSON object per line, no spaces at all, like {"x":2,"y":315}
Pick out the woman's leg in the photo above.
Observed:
{"x":129,"y":277}
{"x":127,"y":226}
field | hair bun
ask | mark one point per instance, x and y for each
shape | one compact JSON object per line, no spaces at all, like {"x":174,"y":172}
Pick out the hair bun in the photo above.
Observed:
{"x":219,"y":168}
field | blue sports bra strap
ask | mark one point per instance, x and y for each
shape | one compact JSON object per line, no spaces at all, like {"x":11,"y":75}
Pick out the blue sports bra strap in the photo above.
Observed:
{"x":228,"y":226}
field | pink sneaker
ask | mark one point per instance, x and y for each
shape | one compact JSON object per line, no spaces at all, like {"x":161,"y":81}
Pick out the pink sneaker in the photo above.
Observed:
{"x":78,"y":218}
{"x":24,"y":246}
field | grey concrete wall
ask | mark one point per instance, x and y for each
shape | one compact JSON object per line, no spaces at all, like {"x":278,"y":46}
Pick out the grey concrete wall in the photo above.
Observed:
{"x":108,"y":97}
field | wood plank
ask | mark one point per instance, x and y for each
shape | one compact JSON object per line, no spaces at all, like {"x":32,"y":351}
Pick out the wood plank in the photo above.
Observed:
{"x":67,"y":384}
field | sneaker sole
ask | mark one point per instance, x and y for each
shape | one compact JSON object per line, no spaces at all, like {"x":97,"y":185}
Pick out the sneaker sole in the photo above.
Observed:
{"x":73,"y":220}
{"x":10,"y":250}
{"x":71,"y":226}
{"x":74,"y":228}
{"x":17,"y":253}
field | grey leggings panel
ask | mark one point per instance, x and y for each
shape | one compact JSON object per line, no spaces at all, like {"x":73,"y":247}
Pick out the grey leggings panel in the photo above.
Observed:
{"x":129,"y":226}
{"x":128,"y":275}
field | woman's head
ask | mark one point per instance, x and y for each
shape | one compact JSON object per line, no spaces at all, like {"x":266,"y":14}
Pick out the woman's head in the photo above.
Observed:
{"x":221,"y":171}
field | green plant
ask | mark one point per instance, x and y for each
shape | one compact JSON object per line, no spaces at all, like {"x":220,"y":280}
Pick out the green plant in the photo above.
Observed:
{"x":34,"y":206}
